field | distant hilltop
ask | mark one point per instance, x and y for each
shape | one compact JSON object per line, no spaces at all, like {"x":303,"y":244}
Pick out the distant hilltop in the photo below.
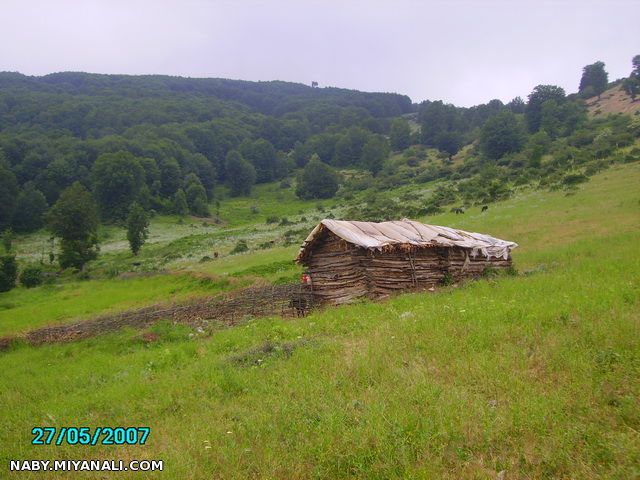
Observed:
{"x":267,"y":97}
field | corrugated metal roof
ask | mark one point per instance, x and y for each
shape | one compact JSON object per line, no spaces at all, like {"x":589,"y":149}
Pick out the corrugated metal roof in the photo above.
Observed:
{"x":372,"y":235}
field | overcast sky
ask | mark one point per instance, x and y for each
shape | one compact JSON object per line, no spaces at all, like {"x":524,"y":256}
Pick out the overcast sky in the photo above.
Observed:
{"x":463,"y":52}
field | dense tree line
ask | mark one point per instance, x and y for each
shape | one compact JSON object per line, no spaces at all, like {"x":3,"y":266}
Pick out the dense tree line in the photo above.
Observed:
{"x":164,"y":142}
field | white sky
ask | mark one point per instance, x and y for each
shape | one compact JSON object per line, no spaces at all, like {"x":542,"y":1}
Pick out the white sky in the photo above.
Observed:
{"x":463,"y":52}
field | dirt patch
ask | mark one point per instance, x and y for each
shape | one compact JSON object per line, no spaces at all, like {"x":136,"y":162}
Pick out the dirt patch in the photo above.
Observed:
{"x":614,"y":100}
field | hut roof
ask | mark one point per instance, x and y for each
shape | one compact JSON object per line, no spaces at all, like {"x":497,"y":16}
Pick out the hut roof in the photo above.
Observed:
{"x":378,"y":236}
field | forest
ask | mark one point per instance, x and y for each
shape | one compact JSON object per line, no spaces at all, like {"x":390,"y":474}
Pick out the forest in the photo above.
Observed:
{"x":115,"y":149}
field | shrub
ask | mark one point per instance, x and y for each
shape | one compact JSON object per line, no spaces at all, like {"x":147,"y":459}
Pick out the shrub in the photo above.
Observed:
{"x":31,"y":276}
{"x":511,"y":271}
{"x":272,"y":219}
{"x":240,"y":247}
{"x":574,"y":178}
{"x":489,"y":271}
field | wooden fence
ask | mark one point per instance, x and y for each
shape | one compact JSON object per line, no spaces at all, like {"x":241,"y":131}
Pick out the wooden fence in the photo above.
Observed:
{"x":284,"y":300}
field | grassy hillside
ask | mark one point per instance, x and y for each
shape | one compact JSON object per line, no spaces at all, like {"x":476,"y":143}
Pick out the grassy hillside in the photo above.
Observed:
{"x":535,"y":375}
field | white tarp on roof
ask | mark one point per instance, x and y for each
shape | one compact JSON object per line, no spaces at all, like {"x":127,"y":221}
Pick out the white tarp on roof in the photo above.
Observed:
{"x":407,"y":232}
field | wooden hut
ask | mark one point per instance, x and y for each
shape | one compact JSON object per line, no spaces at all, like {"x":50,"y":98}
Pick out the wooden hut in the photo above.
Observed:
{"x":346,"y":260}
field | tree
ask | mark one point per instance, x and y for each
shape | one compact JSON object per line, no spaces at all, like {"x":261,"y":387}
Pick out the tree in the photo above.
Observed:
{"x":262,"y":156}
{"x":180,"y":206}
{"x":400,"y":134}
{"x":196,"y":196}
{"x":8,"y":272}
{"x":7,"y":240}
{"x":205,"y":172}
{"x":594,"y":80}
{"x":348,"y":149}
{"x":448,"y":142}
{"x":501,"y":134}
{"x":560,"y":120}
{"x":117,"y":179}
{"x":517,"y":105}
{"x":537,"y":145}
{"x":241,"y":175}
{"x":540,"y":94}
{"x":631,"y":85}
{"x":317,"y":180}
{"x":437,"y":118}
{"x":30,"y":209}
{"x":374,"y":153}
{"x":324,"y":145}
{"x":137,"y":227}
{"x":74,"y":218}
{"x":8,"y":194}
{"x":151,"y":174}
{"x":170,"y":177}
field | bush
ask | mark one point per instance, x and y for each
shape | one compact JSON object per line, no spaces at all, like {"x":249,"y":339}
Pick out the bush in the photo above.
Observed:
{"x":511,"y":271}
{"x":240,"y":247}
{"x":574,"y":178}
{"x":272,"y":219}
{"x":489,"y":271}
{"x":31,"y":276}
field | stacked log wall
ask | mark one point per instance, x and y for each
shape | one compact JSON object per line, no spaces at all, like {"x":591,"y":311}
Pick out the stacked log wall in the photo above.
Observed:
{"x":341,"y":272}
{"x":396,"y":270}
{"x":336,"y":273}
{"x":475,"y":266}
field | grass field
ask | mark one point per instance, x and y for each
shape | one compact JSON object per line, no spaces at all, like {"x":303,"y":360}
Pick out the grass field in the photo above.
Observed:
{"x":535,"y":375}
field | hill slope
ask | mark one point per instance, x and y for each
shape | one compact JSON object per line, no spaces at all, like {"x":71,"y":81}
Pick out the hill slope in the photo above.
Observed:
{"x":535,"y":375}
{"x":614,"y":100}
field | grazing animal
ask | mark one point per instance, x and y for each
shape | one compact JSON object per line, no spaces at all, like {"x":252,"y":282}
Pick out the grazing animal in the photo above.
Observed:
{"x":459,"y":210}
{"x":485,"y":208}
{"x":215,"y":254}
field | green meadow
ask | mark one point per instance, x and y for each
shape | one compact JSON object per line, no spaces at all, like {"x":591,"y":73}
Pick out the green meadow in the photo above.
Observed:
{"x":534,"y":375}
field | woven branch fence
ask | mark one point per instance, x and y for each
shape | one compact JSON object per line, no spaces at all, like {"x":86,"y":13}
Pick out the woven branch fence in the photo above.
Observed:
{"x":284,"y":300}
